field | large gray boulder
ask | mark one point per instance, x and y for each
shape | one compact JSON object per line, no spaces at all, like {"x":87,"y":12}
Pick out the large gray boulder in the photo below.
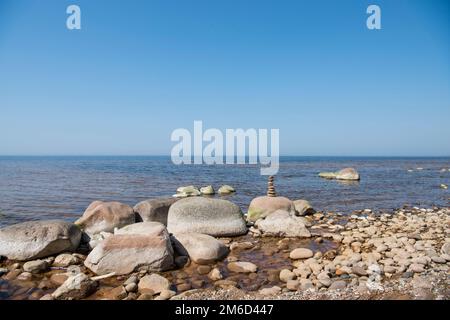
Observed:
{"x":261,"y":207}
{"x":283,"y":224}
{"x":214,"y":217}
{"x":154,"y":210}
{"x":105,"y":216}
{"x":38,"y":239}
{"x":125,"y":253}
{"x":201,"y":248}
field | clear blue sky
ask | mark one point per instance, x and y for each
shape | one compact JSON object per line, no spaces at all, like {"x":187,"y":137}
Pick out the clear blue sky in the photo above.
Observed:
{"x":139,"y":69}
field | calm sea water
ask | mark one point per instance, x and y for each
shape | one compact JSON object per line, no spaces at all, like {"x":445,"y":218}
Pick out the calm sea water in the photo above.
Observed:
{"x":34,"y":188}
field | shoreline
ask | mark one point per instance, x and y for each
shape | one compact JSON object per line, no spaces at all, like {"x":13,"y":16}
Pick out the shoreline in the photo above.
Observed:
{"x":364,"y":255}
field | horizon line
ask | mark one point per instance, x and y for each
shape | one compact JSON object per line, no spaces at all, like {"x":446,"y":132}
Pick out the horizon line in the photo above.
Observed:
{"x":165,"y":155}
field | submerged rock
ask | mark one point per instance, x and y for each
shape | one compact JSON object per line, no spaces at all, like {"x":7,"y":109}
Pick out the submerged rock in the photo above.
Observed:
{"x":154,"y":210}
{"x":38,"y":239}
{"x":208,"y":190}
{"x":226,"y":189}
{"x":283,"y":224}
{"x":125,"y":253}
{"x":242,"y":267}
{"x":75,"y":287}
{"x":153,"y":282}
{"x":214,"y":217}
{"x":344,"y":174}
{"x":35,"y":266}
{"x":105,"y":216}
{"x":347,"y":174}
{"x":189,"y":191}
{"x":201,"y":248}
{"x":261,"y":207}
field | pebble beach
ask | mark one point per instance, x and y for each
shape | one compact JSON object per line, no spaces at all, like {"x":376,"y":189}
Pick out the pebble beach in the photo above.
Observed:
{"x":195,"y":246}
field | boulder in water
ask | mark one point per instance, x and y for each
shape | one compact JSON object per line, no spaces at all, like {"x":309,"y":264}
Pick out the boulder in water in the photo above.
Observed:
{"x":154,"y":210}
{"x":38,"y":239}
{"x":105,"y":216}
{"x":261,"y":207}
{"x":214,"y":217}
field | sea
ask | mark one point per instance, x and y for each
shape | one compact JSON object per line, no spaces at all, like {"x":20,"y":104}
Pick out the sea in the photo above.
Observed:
{"x":61,"y":187}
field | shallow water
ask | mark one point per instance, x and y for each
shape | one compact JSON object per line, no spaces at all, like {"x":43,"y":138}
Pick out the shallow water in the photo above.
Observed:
{"x":34,"y":188}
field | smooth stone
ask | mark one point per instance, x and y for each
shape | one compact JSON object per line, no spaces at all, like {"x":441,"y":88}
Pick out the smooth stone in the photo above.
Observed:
{"x":359,"y":271}
{"x":25,"y":276}
{"x":154,"y":210}
{"x":208,"y":190}
{"x":327,"y":175}
{"x":437,"y":259}
{"x":125,"y":253}
{"x":165,"y":295}
{"x":292,"y":285}
{"x":145,"y":296}
{"x":154,"y":282}
{"x":35,"y":266}
{"x":301,"y":253}
{"x":75,"y":287}
{"x":270,"y":291}
{"x":261,"y":207}
{"x":131,"y":287}
{"x":201,"y":248}
{"x":203,"y":269}
{"x":242,"y":267}
{"x":347,"y":174}
{"x":214,"y":217}
{"x":188,"y":191}
{"x":338,"y":285}
{"x":149,"y":228}
{"x":241,"y":245}
{"x":282,"y":224}
{"x":65,"y":260}
{"x":105,"y":216}
{"x":286,"y":275}
{"x":226,"y":189}
{"x":303,"y":207}
{"x":416,"y":268}
{"x":215,"y":275}
{"x":38,"y":239}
